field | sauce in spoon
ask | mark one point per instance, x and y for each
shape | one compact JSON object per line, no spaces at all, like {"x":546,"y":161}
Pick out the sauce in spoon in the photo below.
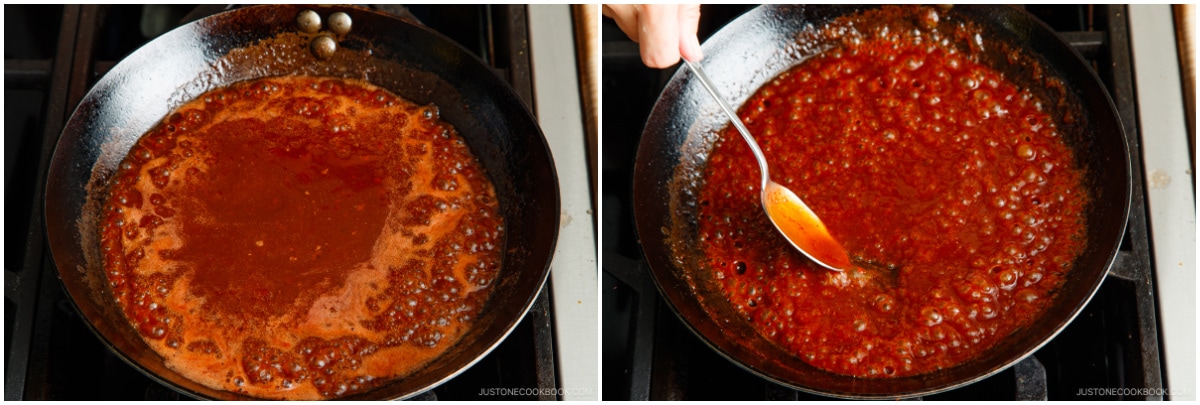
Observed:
{"x":802,"y":227}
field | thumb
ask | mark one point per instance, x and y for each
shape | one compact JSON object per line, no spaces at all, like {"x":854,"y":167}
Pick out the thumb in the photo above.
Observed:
{"x":689,"y":23}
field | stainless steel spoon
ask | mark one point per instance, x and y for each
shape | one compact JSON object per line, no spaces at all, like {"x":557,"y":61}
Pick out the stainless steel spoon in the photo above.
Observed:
{"x":791,"y":216}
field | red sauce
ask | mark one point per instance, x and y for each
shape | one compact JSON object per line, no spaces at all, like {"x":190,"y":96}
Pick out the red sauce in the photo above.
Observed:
{"x":300,"y":238}
{"x":950,"y":188}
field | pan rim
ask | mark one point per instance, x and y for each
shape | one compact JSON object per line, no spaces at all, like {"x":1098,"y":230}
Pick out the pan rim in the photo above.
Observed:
{"x":665,"y":273}
{"x":540,"y":255}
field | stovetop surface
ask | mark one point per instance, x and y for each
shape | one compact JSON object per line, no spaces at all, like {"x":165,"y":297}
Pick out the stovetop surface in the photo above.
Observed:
{"x":50,"y":352}
{"x":647,"y":352}
{"x":650,"y":354}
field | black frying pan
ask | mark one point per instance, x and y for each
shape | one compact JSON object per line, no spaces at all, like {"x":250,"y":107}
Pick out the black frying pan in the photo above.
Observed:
{"x":759,"y":45}
{"x":410,"y":60}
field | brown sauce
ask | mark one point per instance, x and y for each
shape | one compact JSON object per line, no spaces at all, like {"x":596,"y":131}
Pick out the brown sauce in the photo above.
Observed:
{"x":300,"y":237}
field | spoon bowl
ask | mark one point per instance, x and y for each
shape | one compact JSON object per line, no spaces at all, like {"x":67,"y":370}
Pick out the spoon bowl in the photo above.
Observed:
{"x":800,"y":225}
{"x":788,"y":213}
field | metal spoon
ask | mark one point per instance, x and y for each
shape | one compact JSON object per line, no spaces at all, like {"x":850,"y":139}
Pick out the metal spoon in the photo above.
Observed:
{"x":791,"y":217}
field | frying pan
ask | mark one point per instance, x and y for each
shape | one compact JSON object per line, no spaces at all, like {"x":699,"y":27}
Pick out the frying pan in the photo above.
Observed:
{"x":759,"y":45}
{"x":410,"y":60}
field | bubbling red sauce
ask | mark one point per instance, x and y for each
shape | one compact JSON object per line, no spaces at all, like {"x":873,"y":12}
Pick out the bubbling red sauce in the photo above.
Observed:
{"x":950,"y":187}
{"x":300,"y":237}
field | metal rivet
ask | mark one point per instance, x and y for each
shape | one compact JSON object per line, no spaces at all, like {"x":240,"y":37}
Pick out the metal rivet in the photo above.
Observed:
{"x":308,"y":21}
{"x":324,"y":47}
{"x":339,"y":23}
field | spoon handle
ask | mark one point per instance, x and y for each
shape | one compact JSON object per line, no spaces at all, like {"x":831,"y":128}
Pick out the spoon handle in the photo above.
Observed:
{"x":733,"y":117}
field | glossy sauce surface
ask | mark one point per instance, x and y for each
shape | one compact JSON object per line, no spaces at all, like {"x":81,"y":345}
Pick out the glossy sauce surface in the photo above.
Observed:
{"x":950,"y":187}
{"x":300,"y":237}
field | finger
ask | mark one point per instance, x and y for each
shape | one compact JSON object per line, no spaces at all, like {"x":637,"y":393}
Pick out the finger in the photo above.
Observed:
{"x":626,"y":17}
{"x":689,"y":23}
{"x":660,"y":33}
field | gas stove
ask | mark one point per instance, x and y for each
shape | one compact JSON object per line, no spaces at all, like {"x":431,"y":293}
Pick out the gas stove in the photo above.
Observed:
{"x":1134,"y":340}
{"x":54,"y":54}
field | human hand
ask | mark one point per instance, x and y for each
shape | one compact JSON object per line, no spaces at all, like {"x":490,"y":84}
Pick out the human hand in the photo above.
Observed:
{"x":664,"y":31}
